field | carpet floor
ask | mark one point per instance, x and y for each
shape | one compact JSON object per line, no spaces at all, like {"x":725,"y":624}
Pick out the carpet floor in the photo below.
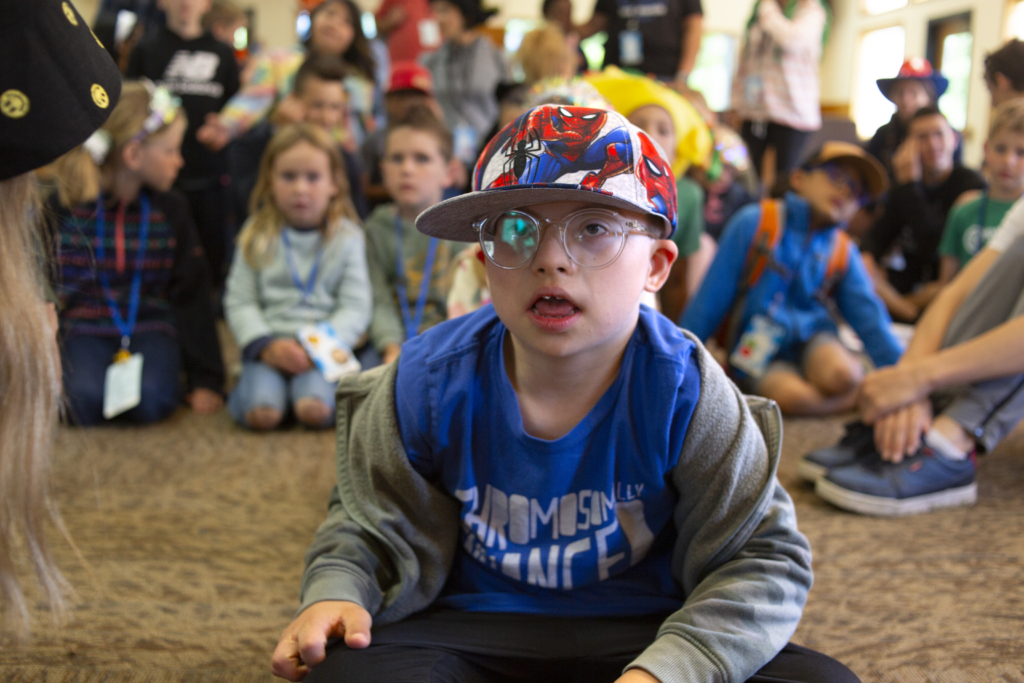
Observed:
{"x":193,"y":531}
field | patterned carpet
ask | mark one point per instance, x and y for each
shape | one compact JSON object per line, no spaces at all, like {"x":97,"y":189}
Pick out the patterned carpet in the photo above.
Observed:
{"x":193,"y":534}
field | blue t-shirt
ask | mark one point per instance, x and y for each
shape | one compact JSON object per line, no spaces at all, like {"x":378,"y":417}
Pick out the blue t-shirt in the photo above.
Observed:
{"x":581,"y":525}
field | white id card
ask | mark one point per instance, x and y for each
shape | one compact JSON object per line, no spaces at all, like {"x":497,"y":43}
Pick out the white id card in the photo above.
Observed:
{"x":429,"y":32}
{"x":753,"y":89}
{"x":631,"y":47}
{"x":122,"y":387}
{"x":329,"y":354}
{"x":464,"y":143}
{"x":757,"y":346}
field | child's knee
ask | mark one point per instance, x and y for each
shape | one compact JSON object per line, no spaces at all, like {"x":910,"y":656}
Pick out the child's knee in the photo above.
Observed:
{"x":312,"y":412}
{"x":841,"y":378}
{"x":263,"y":418}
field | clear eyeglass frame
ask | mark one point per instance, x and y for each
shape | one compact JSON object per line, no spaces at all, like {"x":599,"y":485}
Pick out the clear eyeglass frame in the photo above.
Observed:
{"x":626,"y":228}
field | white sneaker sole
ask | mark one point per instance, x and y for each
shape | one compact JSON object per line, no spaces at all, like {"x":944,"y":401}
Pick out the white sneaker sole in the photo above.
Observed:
{"x":809,"y":471}
{"x":890,"y":507}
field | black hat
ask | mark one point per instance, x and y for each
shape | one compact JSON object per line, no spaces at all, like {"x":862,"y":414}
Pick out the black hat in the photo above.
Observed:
{"x":57,"y":83}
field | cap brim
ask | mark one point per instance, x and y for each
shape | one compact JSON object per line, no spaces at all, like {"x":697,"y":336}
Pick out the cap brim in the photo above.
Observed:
{"x":453,"y":218}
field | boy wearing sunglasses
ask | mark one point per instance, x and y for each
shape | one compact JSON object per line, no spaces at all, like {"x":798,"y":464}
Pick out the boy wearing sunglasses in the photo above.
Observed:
{"x":564,"y":485}
{"x":784,"y":275}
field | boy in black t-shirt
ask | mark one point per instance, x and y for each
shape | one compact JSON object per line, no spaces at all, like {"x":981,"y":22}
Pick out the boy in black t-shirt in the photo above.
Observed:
{"x":203,"y":72}
{"x":901,"y":249}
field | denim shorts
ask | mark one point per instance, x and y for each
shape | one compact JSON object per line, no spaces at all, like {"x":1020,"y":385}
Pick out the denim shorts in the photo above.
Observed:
{"x":750,"y":385}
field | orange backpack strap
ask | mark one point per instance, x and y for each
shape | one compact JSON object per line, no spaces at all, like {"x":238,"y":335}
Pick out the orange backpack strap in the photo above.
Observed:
{"x":838,"y":261}
{"x":766,"y":238}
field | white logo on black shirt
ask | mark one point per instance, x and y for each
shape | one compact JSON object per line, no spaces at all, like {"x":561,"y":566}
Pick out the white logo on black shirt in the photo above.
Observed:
{"x":192,"y":73}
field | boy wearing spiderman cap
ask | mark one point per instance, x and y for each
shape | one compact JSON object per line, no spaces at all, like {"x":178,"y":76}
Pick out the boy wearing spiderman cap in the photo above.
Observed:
{"x":562,"y":485}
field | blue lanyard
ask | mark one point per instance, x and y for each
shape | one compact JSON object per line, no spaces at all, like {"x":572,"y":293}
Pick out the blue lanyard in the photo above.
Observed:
{"x":307,"y":287}
{"x":125,"y":327}
{"x":412,"y":325}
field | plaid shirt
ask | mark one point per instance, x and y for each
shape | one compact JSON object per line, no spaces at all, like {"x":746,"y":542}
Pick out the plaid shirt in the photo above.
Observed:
{"x":777,"y":79}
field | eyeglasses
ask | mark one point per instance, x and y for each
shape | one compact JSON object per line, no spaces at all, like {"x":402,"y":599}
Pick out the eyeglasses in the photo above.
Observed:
{"x":592,"y":238}
{"x":841,"y":176}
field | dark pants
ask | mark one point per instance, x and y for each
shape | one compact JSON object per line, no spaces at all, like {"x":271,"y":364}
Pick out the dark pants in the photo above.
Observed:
{"x":472,"y":647}
{"x":86,"y":359}
{"x":788,"y":142}
{"x":209,"y":210}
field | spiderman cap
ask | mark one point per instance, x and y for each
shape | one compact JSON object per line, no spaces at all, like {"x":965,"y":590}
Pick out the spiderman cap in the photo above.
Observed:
{"x":556,"y":153}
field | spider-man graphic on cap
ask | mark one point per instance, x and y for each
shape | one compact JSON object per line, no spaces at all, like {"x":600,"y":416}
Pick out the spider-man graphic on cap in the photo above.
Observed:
{"x":656,"y":175}
{"x":550,"y":142}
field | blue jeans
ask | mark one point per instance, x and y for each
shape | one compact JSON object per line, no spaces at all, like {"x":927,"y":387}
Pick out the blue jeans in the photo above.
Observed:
{"x":262,"y":386}
{"x":86,"y":358}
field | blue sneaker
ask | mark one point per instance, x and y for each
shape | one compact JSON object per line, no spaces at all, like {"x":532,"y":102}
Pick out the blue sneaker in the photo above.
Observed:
{"x":922,"y":482}
{"x":858,"y":442}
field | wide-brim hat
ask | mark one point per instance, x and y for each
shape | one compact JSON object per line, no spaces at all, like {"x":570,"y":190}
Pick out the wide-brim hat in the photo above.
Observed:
{"x":871,"y":170}
{"x":915,"y":69}
{"x":556,"y":153}
{"x":628,"y":92}
{"x":57,"y":83}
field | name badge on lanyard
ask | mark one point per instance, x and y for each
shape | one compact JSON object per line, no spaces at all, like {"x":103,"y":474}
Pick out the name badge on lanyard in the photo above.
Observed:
{"x":305,"y":287}
{"x":757,"y":346}
{"x":412,"y":323}
{"x":631,"y":45}
{"x":122,"y":384}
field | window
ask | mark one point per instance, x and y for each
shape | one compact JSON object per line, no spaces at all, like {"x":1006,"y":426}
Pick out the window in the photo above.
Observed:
{"x":950,"y":46}
{"x":881,"y":55}
{"x":713,"y":72}
{"x":880,"y":6}
{"x":1015,"y":22}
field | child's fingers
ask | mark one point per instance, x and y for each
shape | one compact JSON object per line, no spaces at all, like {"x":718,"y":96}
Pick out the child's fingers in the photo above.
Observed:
{"x":286,"y":663}
{"x":357,"y":628}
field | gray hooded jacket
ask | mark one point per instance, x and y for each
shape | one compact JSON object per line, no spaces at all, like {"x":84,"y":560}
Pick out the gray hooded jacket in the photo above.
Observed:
{"x":745,"y":570}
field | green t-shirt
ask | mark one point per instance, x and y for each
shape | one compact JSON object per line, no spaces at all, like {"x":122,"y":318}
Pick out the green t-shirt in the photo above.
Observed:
{"x":691,"y":216}
{"x":967,"y":231}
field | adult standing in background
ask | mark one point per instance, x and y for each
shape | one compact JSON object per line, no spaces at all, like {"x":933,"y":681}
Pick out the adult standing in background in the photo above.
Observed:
{"x":777,"y":89}
{"x":57,"y":85}
{"x":409,"y":28}
{"x":659,"y":37}
{"x":466,"y":69}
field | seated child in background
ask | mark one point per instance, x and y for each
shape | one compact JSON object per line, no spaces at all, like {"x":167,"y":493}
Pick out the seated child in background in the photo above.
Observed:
{"x":320,"y":99}
{"x":965,"y":366}
{"x":724,"y":192}
{"x":564,"y":485}
{"x":970,"y":224}
{"x":784,"y":272}
{"x":300,"y":260}
{"x":132,"y":275}
{"x":409,"y":271}
{"x":676,"y":125}
{"x":901,"y":248}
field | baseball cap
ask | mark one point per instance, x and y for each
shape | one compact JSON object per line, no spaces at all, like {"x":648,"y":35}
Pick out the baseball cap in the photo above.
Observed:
{"x":409,"y":75}
{"x":57,"y":83}
{"x":556,"y":153}
{"x":871,"y":169}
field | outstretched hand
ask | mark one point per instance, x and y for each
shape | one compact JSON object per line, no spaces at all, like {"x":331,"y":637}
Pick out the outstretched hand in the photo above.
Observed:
{"x":891,"y":388}
{"x":899,"y":433}
{"x":303,"y":644}
{"x":213,"y":133}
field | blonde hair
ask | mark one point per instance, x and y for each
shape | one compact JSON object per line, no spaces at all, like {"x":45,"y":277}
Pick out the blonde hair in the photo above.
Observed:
{"x":29,"y":404}
{"x":544,"y":53}
{"x":1008,"y":116}
{"x":80,"y":179}
{"x":259,"y":235}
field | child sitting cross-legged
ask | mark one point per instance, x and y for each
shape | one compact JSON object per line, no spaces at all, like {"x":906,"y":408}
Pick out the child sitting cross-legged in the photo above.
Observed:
{"x":408,"y":269}
{"x":784,"y":275}
{"x":562,"y":485}
{"x":300,"y":261}
{"x":133,"y":286}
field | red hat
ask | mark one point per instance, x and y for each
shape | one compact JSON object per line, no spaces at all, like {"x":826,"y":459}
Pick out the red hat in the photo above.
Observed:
{"x":917,"y":69}
{"x":410,"y":75}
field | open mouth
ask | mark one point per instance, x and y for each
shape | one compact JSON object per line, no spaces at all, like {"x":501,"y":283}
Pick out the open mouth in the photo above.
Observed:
{"x":554,"y":307}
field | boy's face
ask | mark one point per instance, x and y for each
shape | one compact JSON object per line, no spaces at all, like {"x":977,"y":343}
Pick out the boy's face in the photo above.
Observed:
{"x":302,"y":185}
{"x":324,"y":102}
{"x":555,"y":308}
{"x":184,"y":12}
{"x":449,"y":19}
{"x":834,"y":190}
{"x":414,"y":169}
{"x":656,"y":122}
{"x":1004,"y":159}
{"x":935,"y":140}
{"x":909,"y":96}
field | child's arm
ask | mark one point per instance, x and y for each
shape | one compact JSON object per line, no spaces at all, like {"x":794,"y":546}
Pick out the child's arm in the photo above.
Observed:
{"x":189,"y":293}
{"x":353,"y":303}
{"x":743,"y":565}
{"x":801,"y":33}
{"x":243,"y":309}
{"x":715,"y":297}
{"x":387,"y":331}
{"x":303,"y":643}
{"x":866,"y":313}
